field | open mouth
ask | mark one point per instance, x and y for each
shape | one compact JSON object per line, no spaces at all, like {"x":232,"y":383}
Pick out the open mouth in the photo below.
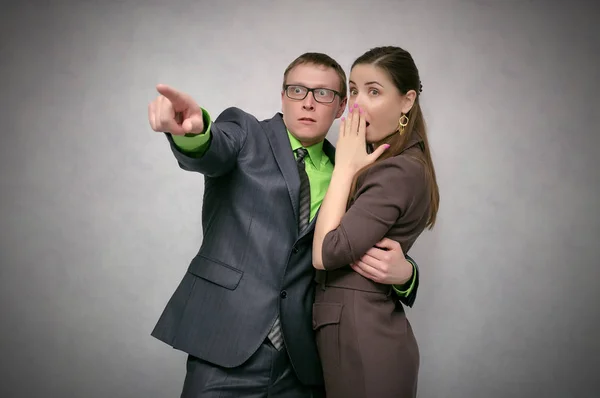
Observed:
{"x":367,"y":125}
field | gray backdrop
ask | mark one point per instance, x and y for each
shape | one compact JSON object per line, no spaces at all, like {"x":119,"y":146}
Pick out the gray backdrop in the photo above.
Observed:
{"x":99,"y":224}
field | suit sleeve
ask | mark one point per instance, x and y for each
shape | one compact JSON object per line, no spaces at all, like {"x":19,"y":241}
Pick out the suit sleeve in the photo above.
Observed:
{"x":386,"y":194}
{"x":407,"y":293}
{"x":195,"y":144}
{"x":214,"y":154}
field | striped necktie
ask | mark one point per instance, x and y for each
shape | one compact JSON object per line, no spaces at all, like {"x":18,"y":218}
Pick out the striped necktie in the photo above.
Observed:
{"x":304,"y":212}
{"x":276,"y":335}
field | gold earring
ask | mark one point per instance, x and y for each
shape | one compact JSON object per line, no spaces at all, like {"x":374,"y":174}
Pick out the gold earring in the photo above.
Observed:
{"x":402,"y":123}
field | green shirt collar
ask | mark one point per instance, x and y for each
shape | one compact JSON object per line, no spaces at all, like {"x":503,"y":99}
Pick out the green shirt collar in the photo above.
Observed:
{"x":315,"y":151}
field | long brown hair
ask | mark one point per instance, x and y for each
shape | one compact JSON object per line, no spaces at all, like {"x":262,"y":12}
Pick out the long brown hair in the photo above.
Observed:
{"x":401,"y":68}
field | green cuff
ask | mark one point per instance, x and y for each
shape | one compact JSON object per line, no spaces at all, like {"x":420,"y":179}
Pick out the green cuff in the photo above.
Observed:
{"x":413,"y":278}
{"x":195,"y":143}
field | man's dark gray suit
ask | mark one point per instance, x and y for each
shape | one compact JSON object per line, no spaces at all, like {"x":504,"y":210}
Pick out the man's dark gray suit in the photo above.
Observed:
{"x":253,"y":265}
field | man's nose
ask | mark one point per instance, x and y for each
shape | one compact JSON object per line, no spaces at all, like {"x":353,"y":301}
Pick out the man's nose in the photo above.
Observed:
{"x":309,"y":101}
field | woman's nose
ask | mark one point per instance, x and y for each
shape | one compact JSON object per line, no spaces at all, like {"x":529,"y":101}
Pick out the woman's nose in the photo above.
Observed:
{"x":356,"y":105}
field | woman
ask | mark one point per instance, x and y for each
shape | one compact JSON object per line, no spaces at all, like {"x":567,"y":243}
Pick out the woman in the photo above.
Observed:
{"x":384,"y":189}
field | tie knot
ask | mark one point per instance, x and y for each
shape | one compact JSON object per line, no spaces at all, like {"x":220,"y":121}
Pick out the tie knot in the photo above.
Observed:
{"x":301,"y":153}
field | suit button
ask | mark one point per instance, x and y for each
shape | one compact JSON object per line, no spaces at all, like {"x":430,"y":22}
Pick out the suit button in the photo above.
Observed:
{"x":283,"y":294}
{"x":295,"y":250}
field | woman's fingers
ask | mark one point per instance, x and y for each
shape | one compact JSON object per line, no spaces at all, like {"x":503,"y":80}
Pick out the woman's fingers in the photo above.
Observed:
{"x":349,"y":119}
{"x":356,"y":116}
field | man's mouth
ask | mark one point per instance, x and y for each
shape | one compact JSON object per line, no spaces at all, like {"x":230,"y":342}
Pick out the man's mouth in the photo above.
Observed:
{"x":307,"y":119}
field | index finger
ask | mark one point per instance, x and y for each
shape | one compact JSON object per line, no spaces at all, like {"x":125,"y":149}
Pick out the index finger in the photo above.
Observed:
{"x":362,"y":124}
{"x":177,"y":98}
{"x":356,"y":116}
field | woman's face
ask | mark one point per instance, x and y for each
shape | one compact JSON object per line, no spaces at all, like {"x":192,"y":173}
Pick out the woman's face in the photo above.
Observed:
{"x":382,"y":103}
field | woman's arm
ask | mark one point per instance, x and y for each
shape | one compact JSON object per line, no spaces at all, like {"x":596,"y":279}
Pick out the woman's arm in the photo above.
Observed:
{"x":332,"y":210}
{"x":350,"y":157}
{"x":389,"y":190}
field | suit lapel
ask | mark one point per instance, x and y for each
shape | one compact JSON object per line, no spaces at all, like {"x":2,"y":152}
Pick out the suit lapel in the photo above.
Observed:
{"x":329,"y":151}
{"x":282,"y":151}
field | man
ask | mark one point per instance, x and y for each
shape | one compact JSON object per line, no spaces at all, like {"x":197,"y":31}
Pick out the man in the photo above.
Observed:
{"x":243,"y":309}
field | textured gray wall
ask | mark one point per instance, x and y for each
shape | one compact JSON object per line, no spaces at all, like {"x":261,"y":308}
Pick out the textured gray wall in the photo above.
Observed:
{"x":99,"y":223}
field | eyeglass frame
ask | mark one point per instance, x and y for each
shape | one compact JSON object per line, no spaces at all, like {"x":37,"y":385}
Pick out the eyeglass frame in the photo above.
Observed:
{"x":311,"y":90}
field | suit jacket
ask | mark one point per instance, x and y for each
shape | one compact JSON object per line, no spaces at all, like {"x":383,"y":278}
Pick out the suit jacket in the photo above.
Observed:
{"x":252,"y":265}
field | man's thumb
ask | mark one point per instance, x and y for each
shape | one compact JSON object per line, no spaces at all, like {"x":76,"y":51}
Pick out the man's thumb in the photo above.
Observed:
{"x":388,"y":244}
{"x":193,"y":124}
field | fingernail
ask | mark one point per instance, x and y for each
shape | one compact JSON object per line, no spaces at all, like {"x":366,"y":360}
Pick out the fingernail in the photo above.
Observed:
{"x":360,"y":110}
{"x":351,"y":109}
{"x":356,"y":105}
{"x":386,"y":146}
{"x":343,"y":119}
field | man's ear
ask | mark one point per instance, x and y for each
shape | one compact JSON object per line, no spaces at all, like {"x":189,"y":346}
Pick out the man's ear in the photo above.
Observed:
{"x":342,"y":108}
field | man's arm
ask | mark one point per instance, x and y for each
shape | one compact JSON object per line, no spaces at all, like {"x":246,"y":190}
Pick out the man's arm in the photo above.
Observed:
{"x":407,"y":293}
{"x":198,"y":144}
{"x":213,"y":154}
{"x":195,"y":145}
{"x":386,"y":263}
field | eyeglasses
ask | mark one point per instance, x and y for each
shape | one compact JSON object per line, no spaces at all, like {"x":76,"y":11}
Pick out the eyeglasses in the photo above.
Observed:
{"x":322,"y":95}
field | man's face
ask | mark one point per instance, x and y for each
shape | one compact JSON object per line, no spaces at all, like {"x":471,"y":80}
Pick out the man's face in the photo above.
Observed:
{"x":310,"y":119}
